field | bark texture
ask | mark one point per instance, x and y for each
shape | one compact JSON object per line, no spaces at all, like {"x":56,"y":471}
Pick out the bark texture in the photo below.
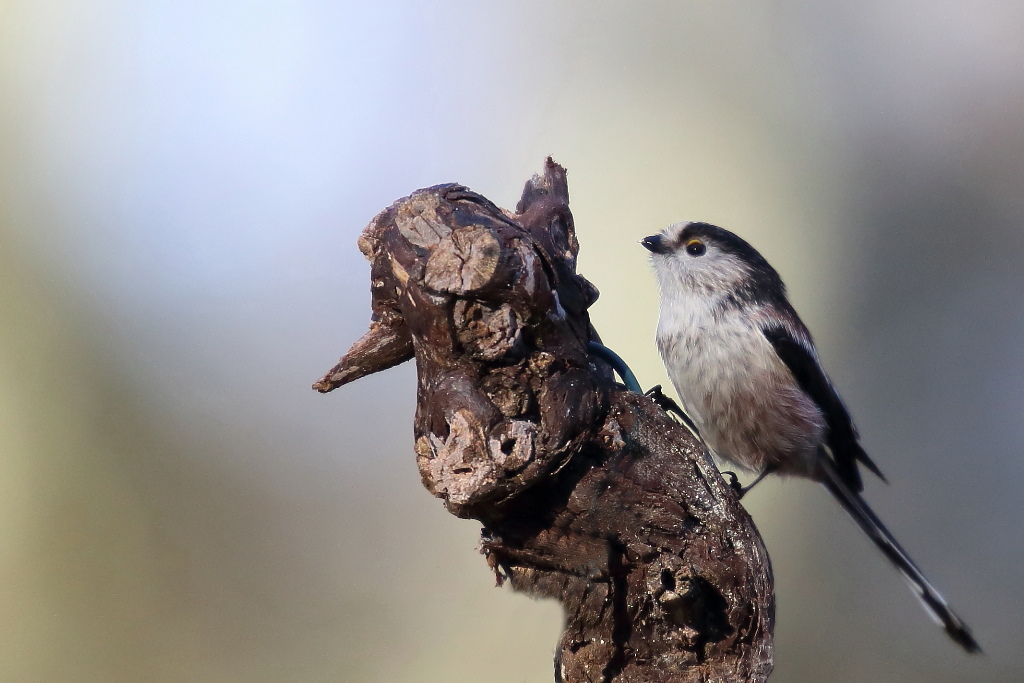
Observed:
{"x":588,"y":493}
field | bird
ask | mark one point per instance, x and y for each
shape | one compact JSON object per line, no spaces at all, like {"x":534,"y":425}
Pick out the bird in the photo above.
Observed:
{"x":747,"y":374}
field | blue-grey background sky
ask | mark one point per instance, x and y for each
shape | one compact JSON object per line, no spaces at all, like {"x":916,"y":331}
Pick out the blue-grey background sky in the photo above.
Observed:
{"x":181,"y":187}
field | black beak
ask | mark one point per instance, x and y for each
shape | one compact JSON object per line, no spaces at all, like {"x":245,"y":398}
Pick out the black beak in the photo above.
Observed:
{"x":655,"y":244}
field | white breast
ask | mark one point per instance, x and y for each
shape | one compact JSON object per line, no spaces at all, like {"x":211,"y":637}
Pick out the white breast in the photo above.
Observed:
{"x":743,"y":399}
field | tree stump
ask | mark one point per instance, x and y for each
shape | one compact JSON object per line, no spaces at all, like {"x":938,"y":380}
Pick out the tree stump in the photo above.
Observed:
{"x":588,"y":493}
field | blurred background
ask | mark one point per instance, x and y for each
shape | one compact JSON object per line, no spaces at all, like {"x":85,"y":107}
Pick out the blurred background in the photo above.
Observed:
{"x":181,"y":187}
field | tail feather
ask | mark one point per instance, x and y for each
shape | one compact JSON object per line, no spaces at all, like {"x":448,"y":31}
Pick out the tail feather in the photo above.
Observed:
{"x":866,"y":519}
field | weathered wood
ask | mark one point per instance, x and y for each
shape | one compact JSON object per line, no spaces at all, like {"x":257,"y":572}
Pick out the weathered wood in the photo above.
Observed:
{"x":589,"y":494}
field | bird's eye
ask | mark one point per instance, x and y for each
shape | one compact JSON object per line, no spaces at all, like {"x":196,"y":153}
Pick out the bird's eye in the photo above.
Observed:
{"x":695,"y":248}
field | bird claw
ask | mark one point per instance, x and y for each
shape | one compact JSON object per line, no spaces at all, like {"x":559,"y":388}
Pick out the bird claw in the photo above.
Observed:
{"x":741,"y":491}
{"x":734,"y":483}
{"x":658,"y":396}
{"x":669,"y":406}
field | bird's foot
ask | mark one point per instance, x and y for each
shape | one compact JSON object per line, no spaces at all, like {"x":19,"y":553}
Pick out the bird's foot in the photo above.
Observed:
{"x":744,"y":490}
{"x":669,"y":406}
{"x":664,"y":402}
{"x":734,"y":482}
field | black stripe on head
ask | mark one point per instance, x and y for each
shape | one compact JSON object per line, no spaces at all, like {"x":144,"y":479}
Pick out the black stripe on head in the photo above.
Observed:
{"x":764,"y":284}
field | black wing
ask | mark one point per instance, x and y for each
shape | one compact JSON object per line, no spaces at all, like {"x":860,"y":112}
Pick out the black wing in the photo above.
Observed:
{"x":841,"y":438}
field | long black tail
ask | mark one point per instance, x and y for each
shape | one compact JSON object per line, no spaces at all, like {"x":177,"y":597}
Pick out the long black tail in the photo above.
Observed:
{"x":933,"y":602}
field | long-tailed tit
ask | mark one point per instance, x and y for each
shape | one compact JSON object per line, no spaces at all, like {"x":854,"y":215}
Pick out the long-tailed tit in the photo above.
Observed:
{"x":748,"y":375}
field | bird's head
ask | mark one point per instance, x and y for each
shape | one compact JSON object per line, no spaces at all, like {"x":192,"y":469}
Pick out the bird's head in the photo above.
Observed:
{"x":702,"y":259}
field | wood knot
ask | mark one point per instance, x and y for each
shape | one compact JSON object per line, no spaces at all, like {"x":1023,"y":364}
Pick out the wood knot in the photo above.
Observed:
{"x":485,"y":332}
{"x":464,"y":261}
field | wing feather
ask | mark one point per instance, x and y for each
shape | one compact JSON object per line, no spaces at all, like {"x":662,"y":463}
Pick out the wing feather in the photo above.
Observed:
{"x":842,"y":439}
